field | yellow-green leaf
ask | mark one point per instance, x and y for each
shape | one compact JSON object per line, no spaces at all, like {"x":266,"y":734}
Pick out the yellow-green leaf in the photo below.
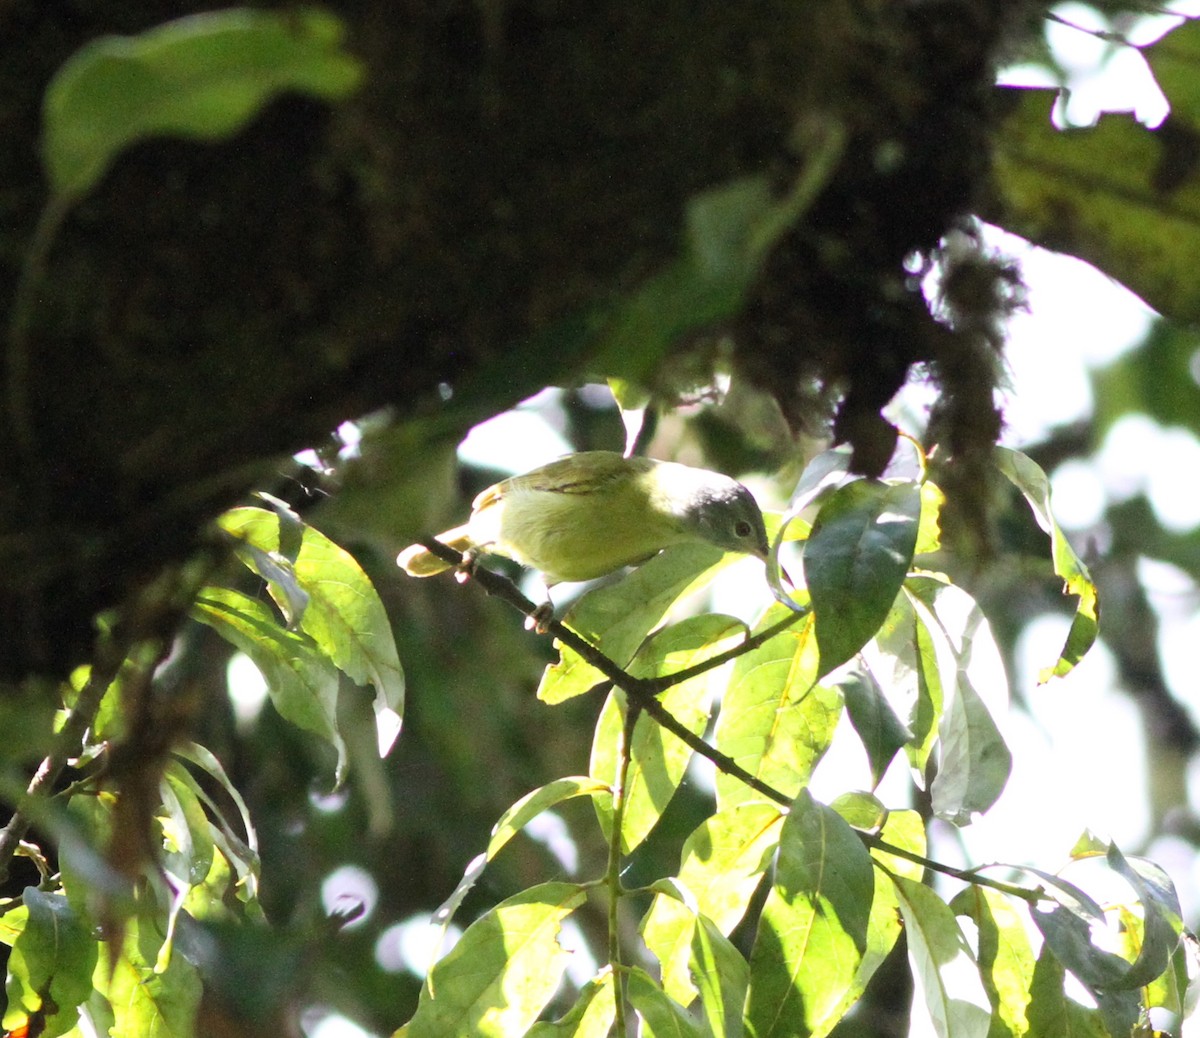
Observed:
{"x":203,"y":76}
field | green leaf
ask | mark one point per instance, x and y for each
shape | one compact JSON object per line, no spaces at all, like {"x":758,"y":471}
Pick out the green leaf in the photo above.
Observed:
{"x":617,"y":617}
{"x":722,"y":976}
{"x":504,"y":969}
{"x":144,"y":1001}
{"x":1153,"y":379}
{"x":1027,"y":476}
{"x":822,"y":858}
{"x":1006,"y":959}
{"x":1172,"y":991}
{"x":50,"y":968}
{"x":862,"y":811}
{"x":1147,"y":929}
{"x":301,"y":681}
{"x":13,"y":917}
{"x":660,"y":1017}
{"x":883,"y":734}
{"x":974,"y":761}
{"x":342,"y":611}
{"x":774,"y":721}
{"x":590,"y":1017}
{"x":729,"y":230}
{"x":904,"y":830}
{"x":1119,"y":195}
{"x":241,"y":851}
{"x":657,"y":759}
{"x":903,"y":665}
{"x":855,"y":562}
{"x":722,"y":865}
{"x":1161,"y":925}
{"x":929,"y":532}
{"x":512,"y":822}
{"x":813,"y":928}
{"x":926,"y":713}
{"x":204,"y":77}
{"x":946,"y":973}
{"x":1068,"y":926}
{"x":187,"y":839}
{"x":189,"y":847}
{"x":1052,"y":1012}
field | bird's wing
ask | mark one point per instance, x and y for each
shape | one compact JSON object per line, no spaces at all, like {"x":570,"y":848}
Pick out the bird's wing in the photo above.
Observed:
{"x":581,"y":473}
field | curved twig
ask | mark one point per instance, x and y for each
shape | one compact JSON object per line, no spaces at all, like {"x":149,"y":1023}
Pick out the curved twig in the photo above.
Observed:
{"x":643,"y":692}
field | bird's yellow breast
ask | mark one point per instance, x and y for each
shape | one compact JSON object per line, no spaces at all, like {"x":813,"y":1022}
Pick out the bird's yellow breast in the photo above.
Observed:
{"x":576,"y":531}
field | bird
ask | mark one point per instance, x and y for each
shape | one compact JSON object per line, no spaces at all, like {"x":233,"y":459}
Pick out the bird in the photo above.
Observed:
{"x":591,"y":513}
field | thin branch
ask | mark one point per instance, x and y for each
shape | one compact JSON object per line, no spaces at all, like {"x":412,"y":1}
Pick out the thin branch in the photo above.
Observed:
{"x":66,"y":745}
{"x":641,"y":692}
{"x":1029,"y":894}
{"x":149,"y":620}
{"x":612,"y":878}
{"x":638,"y":690}
{"x":1107,"y":35}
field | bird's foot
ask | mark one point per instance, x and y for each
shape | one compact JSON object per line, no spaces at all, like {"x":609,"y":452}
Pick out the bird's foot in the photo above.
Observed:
{"x":540,"y":619}
{"x":465,"y":570}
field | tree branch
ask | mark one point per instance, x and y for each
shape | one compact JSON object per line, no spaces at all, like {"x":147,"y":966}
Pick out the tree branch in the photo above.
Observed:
{"x":643,"y":693}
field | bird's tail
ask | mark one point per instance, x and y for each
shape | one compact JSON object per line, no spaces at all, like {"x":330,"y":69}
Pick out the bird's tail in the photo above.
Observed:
{"x":418,"y":561}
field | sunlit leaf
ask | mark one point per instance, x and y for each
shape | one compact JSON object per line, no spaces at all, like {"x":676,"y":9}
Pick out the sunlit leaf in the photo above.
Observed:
{"x":1148,"y":929}
{"x":510,"y":823}
{"x":927,"y":709}
{"x":929,"y":532}
{"x":187,"y":840}
{"x":974,"y":763}
{"x":590,"y":1017}
{"x":1006,"y":959}
{"x":1052,"y":1012}
{"x":855,"y":561}
{"x":1028,"y":477}
{"x":657,"y":759}
{"x":50,"y":968}
{"x":860,"y":810}
{"x":722,"y":865}
{"x":945,"y":970}
{"x":1160,"y":913}
{"x":301,"y":681}
{"x":1171,"y":990}
{"x":342,"y":611}
{"x":660,"y":1016}
{"x":721,"y":975}
{"x":902,"y":661}
{"x":906,"y":831}
{"x":146,"y":1002}
{"x":774,"y":721}
{"x":204,"y":77}
{"x":813,"y":929}
{"x":617,"y":617}
{"x":240,"y":848}
{"x":504,"y":969}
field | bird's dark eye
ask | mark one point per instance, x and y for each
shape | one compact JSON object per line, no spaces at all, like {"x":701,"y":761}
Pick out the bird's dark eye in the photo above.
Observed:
{"x":743,"y":528}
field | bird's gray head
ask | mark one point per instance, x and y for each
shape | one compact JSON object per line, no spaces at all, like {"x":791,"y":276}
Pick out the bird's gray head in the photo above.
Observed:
{"x":724,"y":513}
